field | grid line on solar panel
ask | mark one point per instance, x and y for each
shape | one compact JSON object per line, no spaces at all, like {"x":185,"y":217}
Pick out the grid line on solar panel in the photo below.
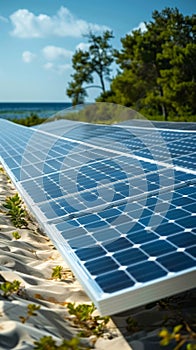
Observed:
{"x":132,"y":249}
{"x":120,"y":246}
{"x":134,"y":207}
{"x":143,"y":155}
{"x":114,"y":135}
{"x":36,"y":169}
{"x":147,"y":154}
{"x":54,"y":195}
{"x":168,"y":126}
{"x":57,"y":193}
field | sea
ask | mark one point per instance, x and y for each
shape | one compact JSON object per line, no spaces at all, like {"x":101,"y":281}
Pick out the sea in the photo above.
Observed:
{"x":11,"y":110}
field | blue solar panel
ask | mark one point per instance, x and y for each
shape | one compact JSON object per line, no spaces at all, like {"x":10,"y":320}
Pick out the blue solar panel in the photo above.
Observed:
{"x":118,"y":203}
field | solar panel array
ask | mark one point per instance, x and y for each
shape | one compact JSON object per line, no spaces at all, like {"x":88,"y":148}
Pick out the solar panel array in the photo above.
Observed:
{"x":117,"y":201}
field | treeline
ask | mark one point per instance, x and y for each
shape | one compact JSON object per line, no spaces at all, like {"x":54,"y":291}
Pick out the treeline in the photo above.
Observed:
{"x":31,"y":120}
{"x":157,"y":70}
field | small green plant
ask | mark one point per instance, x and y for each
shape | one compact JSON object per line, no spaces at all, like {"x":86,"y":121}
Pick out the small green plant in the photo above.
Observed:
{"x":16,"y":235}
{"x":57,"y":272}
{"x":84,"y":319}
{"x":15,"y":210}
{"x":31,"y":308}
{"x":132,"y":325}
{"x":187,"y":337}
{"x":2,"y":171}
{"x":48,"y":343}
{"x":9,"y":288}
{"x":30,"y":120}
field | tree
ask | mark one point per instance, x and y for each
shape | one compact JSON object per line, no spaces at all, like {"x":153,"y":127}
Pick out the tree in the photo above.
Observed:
{"x":83,"y":73}
{"x":101,"y":55}
{"x":157,"y":73}
{"x":179,"y":81}
{"x":97,"y":59}
{"x":177,"y":73}
{"x":76,"y":91}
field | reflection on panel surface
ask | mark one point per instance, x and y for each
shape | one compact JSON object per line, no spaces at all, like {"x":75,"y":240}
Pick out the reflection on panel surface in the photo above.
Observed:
{"x":118,"y":202}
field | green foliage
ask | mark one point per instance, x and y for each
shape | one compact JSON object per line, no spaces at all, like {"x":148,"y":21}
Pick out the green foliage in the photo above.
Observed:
{"x":15,"y":211}
{"x":82,"y":73}
{"x":101,"y":55}
{"x":31,"y":308}
{"x":31,"y":120}
{"x":16,"y":235}
{"x":97,"y":59}
{"x":132,"y":324}
{"x":57,"y":272}
{"x":157,"y":68}
{"x":181,"y":334}
{"x":9,"y":288}
{"x":84,"y":319}
{"x":48,"y":343}
{"x":104,"y":113}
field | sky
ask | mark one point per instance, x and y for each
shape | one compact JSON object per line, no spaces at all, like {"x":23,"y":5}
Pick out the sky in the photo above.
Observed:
{"x":39,"y":37}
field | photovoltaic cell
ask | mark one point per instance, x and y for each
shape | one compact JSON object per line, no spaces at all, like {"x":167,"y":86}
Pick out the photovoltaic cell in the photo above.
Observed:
{"x":117,"y":201}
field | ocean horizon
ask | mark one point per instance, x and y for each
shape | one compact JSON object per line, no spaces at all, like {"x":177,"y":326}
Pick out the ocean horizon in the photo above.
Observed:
{"x":11,"y":110}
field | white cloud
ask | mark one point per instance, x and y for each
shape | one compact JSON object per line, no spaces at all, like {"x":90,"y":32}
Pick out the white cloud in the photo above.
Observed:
{"x":48,"y":66}
{"x":52,"y":53}
{"x":28,"y":56}
{"x":28,"y":25}
{"x":59,"y":68}
{"x":3,"y":19}
{"x":83,"y":46}
{"x":141,"y":26}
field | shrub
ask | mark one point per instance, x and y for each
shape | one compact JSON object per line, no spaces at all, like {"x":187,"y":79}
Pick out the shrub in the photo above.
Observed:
{"x":15,"y":211}
{"x":31,"y":308}
{"x":9,"y":288}
{"x":16,"y":235}
{"x":48,"y":343}
{"x":84,"y":319}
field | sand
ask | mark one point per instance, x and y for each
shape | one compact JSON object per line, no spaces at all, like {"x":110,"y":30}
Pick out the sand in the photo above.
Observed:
{"x":30,"y":260}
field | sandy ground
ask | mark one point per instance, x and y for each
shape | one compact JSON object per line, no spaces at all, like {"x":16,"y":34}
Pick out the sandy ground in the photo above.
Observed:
{"x":30,"y":260}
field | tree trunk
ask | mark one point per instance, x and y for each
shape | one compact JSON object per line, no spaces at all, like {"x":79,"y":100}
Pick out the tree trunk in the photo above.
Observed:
{"x":164,"y":111}
{"x":102,"y":82}
{"x":163,"y":106}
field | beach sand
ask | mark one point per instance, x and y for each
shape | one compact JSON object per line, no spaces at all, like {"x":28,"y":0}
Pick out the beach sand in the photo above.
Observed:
{"x":30,"y":260}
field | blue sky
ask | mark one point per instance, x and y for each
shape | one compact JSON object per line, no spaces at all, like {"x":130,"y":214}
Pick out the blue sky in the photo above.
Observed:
{"x":39,"y":37}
